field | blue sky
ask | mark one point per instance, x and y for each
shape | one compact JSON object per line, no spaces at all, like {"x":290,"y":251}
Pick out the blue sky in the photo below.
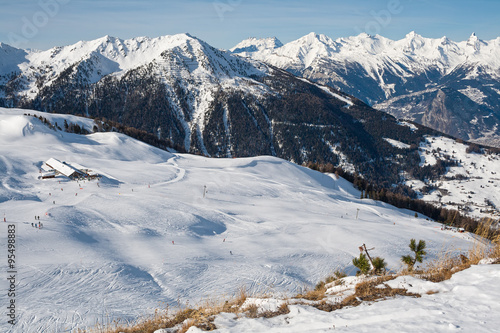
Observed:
{"x":43,"y":24}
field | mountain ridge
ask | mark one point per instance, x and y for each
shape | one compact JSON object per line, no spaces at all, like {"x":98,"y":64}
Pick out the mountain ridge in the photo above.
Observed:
{"x":209,"y":101}
{"x":385,"y":73}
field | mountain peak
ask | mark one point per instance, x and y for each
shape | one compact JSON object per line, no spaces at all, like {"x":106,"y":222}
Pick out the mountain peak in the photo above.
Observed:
{"x":107,"y":39}
{"x":253,"y":44}
{"x":474,"y":42}
{"x":7,"y":47}
{"x":313,"y":38}
{"x":364,"y":35}
{"x":413,"y":35}
{"x":10,"y":58}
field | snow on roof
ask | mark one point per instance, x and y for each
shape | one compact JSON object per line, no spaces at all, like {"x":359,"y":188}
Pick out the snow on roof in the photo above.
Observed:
{"x":61,"y":167}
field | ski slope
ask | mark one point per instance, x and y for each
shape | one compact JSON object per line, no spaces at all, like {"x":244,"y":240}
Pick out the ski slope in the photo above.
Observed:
{"x":161,"y":227}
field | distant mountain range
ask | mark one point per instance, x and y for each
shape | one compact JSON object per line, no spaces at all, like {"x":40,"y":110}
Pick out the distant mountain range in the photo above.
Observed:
{"x":449,"y":86}
{"x":210,"y":102}
{"x":219,"y":104}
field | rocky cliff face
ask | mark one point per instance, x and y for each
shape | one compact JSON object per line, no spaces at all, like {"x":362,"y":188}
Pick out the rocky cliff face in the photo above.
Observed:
{"x":448,"y":111}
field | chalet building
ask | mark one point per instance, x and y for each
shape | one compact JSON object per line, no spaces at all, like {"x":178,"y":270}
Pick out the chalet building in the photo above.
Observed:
{"x":55,"y":168}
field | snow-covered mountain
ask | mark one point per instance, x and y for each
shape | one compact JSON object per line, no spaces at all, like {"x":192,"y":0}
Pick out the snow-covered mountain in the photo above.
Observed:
{"x":186,"y":71}
{"x":161,"y":227}
{"x":402,"y":77}
{"x":253,"y":44}
{"x":208,"y":101}
{"x":219,"y":104}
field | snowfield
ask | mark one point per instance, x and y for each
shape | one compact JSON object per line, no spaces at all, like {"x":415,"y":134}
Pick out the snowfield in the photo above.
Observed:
{"x":161,"y":227}
{"x":468,"y":302}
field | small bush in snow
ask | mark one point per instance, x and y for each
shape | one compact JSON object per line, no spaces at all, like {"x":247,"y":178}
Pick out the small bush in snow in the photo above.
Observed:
{"x":418,"y":250}
{"x":379,"y":265}
{"x":362,"y":264}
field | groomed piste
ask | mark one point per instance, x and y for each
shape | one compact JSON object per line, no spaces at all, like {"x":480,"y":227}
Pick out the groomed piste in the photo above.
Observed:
{"x":160,"y":227}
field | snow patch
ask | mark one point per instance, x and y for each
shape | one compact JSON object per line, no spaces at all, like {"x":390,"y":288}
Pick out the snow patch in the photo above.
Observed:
{"x":397,"y":144}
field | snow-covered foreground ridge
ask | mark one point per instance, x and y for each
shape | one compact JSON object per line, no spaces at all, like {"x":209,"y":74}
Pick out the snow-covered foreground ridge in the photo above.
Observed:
{"x":468,"y":302}
{"x":159,"y":227}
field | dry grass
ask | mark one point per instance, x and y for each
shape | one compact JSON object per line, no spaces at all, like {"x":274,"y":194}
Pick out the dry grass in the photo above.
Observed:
{"x":486,"y":245}
{"x":317,"y":294}
{"x":483,"y":249}
{"x":366,"y":291}
{"x":320,"y":289}
{"x":370,"y":291}
{"x":252,"y":311}
{"x":201,"y":317}
{"x":313,"y":295}
{"x":443,"y":267}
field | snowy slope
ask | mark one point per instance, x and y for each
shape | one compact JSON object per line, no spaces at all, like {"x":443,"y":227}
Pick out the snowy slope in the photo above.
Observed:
{"x":10,"y":58}
{"x":146,"y":235}
{"x":468,"y":302}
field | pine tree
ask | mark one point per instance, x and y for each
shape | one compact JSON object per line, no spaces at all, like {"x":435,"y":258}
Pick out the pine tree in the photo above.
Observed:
{"x":379,"y":265}
{"x":362,"y":264}
{"x":418,"y":249}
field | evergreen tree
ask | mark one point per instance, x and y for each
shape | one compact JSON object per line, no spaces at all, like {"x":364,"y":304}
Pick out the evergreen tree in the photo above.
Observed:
{"x":379,"y":265}
{"x":418,"y":250}
{"x":362,"y":264}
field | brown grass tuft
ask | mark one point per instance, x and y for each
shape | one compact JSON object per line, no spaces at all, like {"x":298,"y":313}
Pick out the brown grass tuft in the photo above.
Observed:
{"x":252,"y":311}
{"x":281,"y":310}
{"x":486,"y":245}
{"x":366,"y":291}
{"x":444,"y":267}
{"x":320,"y":289}
{"x":313,"y":295}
